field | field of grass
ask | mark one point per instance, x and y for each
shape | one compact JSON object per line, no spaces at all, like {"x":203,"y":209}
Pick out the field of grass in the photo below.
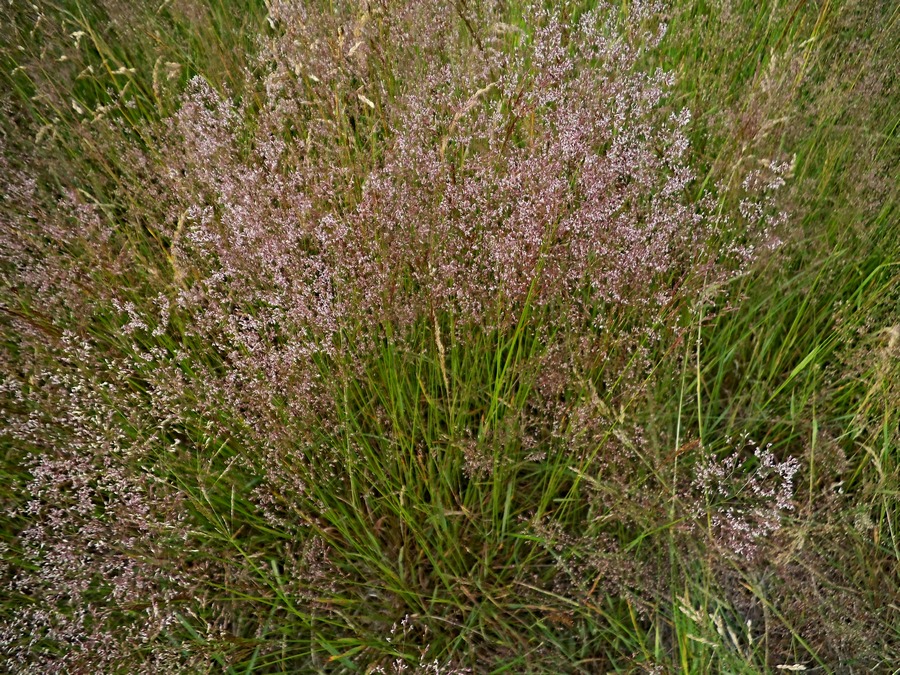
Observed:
{"x":460,"y":337}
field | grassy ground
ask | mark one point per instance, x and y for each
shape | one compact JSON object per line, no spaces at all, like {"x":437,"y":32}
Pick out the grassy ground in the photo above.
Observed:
{"x":430,"y":507}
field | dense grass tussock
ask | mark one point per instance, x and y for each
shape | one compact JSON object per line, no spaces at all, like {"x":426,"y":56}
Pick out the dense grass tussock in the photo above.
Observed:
{"x":449,"y":337}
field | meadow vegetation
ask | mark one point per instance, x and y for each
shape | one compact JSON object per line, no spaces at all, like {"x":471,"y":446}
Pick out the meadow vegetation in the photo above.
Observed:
{"x":479,"y":336}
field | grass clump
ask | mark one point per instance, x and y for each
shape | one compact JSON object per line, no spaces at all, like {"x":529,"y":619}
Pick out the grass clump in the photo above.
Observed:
{"x":483,"y":337}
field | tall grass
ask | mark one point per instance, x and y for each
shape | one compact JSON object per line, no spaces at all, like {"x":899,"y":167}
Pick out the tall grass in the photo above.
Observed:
{"x":405,"y":337}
